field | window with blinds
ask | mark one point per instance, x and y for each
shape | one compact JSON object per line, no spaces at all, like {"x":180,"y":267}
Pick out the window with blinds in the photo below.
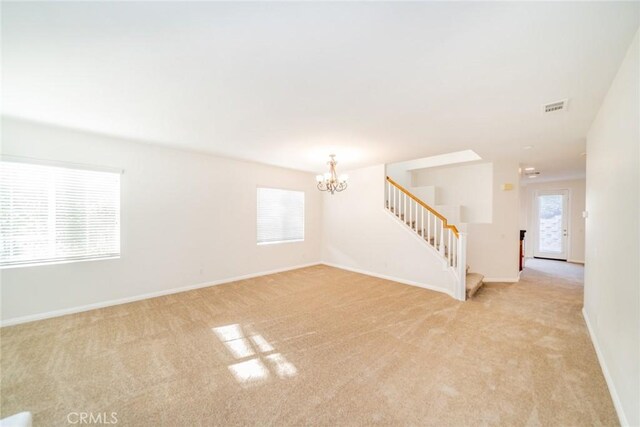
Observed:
{"x":54,"y":214}
{"x":280,"y":216}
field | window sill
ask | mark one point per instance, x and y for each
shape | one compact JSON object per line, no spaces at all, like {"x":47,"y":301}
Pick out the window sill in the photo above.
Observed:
{"x":280,"y":242}
{"x":70,"y":261}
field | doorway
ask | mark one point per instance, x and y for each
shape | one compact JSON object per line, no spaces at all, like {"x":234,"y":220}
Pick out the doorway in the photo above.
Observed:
{"x":551,"y":212}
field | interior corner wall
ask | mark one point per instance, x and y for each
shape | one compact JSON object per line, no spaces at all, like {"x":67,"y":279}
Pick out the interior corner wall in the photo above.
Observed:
{"x":361,"y":235}
{"x":186,"y":219}
{"x":469,"y":186}
{"x":612,"y":270}
{"x":494,"y":249}
{"x":576,"y":226}
{"x":399,"y":173}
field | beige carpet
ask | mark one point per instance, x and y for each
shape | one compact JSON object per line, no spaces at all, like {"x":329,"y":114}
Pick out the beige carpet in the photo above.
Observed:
{"x":562,"y":269}
{"x":317,"y":346}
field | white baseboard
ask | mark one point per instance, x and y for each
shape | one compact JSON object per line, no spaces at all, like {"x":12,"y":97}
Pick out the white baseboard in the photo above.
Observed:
{"x":394,"y":279}
{"x":87,"y":307}
{"x":612,"y":389}
{"x":501,"y":279}
{"x":576,"y":261}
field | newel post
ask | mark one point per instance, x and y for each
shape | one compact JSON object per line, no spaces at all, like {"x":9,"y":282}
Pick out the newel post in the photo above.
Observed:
{"x":461,"y":291}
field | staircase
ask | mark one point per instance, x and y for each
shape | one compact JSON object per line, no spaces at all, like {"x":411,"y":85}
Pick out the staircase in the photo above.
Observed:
{"x":433,"y":229}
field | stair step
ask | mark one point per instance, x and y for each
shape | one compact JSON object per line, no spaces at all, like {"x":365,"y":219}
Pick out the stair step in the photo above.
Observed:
{"x":474,"y":282}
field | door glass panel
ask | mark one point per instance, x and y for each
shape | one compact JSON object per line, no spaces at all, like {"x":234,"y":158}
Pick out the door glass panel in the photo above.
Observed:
{"x":550,"y":215}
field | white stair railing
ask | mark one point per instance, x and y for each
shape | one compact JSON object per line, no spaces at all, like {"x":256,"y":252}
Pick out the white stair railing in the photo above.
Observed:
{"x":429,"y":224}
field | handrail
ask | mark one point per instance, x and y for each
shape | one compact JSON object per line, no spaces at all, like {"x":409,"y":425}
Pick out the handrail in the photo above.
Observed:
{"x":424,"y":205}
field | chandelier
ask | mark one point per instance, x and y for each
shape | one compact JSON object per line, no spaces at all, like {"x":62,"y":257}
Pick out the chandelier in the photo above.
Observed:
{"x":330,"y":181}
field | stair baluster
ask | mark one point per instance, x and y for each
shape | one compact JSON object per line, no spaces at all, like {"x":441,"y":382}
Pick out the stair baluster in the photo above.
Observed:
{"x":411,"y":213}
{"x":450,"y":250}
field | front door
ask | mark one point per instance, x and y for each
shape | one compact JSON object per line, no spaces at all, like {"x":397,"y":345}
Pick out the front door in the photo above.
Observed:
{"x":551,"y":219}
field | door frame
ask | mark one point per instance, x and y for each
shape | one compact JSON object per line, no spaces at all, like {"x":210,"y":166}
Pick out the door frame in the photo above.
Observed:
{"x":566,"y":210}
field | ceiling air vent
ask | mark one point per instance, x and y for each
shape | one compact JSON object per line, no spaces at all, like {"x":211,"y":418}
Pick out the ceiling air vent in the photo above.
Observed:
{"x":556,"y":106}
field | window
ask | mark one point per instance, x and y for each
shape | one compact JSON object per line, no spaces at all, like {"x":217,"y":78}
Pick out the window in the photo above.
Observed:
{"x":53,"y":214}
{"x":280,"y":216}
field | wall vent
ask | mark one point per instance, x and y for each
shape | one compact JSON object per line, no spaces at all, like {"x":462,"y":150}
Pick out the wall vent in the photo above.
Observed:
{"x":556,"y":106}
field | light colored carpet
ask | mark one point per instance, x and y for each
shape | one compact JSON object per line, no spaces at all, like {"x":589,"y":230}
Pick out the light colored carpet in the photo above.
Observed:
{"x":317,"y":346}
{"x":562,"y":269}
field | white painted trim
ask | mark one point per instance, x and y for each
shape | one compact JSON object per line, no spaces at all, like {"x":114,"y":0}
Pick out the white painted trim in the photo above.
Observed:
{"x":87,"y":307}
{"x":576,"y":261}
{"x":501,"y":279}
{"x":607,"y":376}
{"x":532,"y":222}
{"x":394,"y":279}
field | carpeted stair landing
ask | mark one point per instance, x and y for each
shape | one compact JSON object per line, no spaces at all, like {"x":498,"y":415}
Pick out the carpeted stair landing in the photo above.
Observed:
{"x":474,"y":282}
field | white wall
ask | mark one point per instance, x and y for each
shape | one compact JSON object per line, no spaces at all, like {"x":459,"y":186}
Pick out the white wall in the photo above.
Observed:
{"x":575,"y":224}
{"x":494,"y":249}
{"x":187,"y":219}
{"x":612,"y":274}
{"x":467,"y":186}
{"x":360,"y":234}
{"x":399,"y":173}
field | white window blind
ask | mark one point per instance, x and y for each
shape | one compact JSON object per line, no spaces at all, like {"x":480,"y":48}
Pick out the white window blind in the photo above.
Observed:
{"x":280,"y":215}
{"x":52,"y":214}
